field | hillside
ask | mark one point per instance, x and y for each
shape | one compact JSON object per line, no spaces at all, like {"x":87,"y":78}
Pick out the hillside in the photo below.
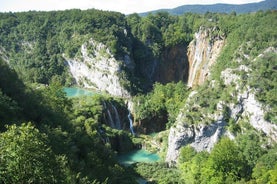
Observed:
{"x":198,"y":89}
{"x":220,"y":8}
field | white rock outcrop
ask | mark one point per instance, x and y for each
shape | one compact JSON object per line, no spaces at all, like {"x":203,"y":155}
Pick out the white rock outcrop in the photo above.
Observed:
{"x":247,"y":105}
{"x":98,"y":69}
{"x":199,"y":136}
{"x":203,"y":137}
{"x":254,"y":111}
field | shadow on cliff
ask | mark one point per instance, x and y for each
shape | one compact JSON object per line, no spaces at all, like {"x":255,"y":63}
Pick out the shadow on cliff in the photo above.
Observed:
{"x":170,"y":66}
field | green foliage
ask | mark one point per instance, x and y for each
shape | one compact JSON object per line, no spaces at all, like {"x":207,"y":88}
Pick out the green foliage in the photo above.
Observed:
{"x":241,"y":161}
{"x":225,"y":163}
{"x":27,"y":158}
{"x":192,"y":169}
{"x":264,"y":80}
{"x":28,"y":104}
{"x":250,"y":145}
{"x":67,"y":132}
{"x":164,"y":100}
{"x":248,"y":34}
{"x":186,"y":154}
{"x":160,"y":30}
{"x":70,"y":142}
{"x":9,"y":108}
{"x":265,"y":168}
{"x":207,"y":97}
{"x":36,"y":41}
{"x":158,"y":173}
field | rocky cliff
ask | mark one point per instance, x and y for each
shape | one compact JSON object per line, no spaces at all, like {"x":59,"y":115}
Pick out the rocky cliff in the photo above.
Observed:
{"x":202,"y":54}
{"x":173,"y":65}
{"x":199,"y":135}
{"x":204,"y":133}
{"x":97,"y":68}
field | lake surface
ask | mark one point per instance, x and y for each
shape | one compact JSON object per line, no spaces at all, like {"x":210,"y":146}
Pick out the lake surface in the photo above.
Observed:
{"x":138,"y":156}
{"x":76,"y":92}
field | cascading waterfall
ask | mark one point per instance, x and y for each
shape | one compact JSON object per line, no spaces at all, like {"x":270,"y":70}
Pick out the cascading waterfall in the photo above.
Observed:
{"x":131,"y":123}
{"x":202,"y":53}
{"x":196,"y":60}
{"x":117,"y":119}
{"x":110,"y":118}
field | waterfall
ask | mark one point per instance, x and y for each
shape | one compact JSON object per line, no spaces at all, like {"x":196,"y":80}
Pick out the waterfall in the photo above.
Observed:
{"x":113,"y":117}
{"x":117,"y":119}
{"x":202,"y":53}
{"x":195,"y":58}
{"x":131,"y":123}
{"x":110,"y":118}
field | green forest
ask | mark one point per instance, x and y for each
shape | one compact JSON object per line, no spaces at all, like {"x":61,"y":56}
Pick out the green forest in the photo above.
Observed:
{"x":46,"y":137}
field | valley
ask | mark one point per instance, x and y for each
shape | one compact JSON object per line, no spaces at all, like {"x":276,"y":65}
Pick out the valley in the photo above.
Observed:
{"x":113,"y":98}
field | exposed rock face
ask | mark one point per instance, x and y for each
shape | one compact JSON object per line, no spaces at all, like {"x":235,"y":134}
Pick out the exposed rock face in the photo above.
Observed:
{"x":97,"y":68}
{"x":200,"y":137}
{"x":254,"y":111}
{"x":170,"y":66}
{"x":247,"y":105}
{"x":173,"y":65}
{"x":203,"y":137}
{"x":202,"y":54}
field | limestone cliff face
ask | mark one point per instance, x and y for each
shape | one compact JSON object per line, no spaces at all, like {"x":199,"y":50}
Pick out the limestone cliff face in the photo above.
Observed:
{"x":97,"y":68}
{"x":243,"y":108}
{"x":247,"y":106}
{"x":200,"y":136}
{"x":202,"y":54}
{"x":170,"y":66}
{"x":173,"y":65}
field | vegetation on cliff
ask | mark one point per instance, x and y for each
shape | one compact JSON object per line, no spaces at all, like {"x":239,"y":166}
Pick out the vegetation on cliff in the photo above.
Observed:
{"x":70,"y":140}
{"x":35,"y":41}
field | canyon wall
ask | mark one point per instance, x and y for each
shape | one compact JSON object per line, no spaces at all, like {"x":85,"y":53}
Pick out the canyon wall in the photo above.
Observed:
{"x":98,"y":69}
{"x":244,"y":108}
{"x":202,"y":53}
{"x":95,"y":67}
{"x":173,"y":65}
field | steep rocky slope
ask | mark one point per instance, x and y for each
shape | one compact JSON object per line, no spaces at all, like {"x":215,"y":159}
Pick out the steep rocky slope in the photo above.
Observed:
{"x":97,"y":68}
{"x":242,"y":107}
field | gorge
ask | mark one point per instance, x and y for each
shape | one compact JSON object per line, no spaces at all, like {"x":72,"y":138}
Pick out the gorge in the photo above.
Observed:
{"x":198,"y":91}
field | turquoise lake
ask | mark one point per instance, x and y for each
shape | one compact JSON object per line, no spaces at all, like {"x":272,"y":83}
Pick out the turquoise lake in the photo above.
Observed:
{"x":138,"y":156}
{"x":76,"y":92}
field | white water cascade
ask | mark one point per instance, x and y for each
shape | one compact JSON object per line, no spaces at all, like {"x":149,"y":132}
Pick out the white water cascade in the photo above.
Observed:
{"x":117,"y":119}
{"x":110,"y":119}
{"x":131,"y":123}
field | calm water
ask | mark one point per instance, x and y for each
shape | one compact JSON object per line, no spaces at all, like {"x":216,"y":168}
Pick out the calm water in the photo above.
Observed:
{"x":75,"y":92}
{"x":137,"y":156}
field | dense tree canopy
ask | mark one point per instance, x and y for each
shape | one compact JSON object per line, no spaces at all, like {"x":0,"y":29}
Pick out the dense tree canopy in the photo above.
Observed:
{"x":27,"y":158}
{"x":70,"y":141}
